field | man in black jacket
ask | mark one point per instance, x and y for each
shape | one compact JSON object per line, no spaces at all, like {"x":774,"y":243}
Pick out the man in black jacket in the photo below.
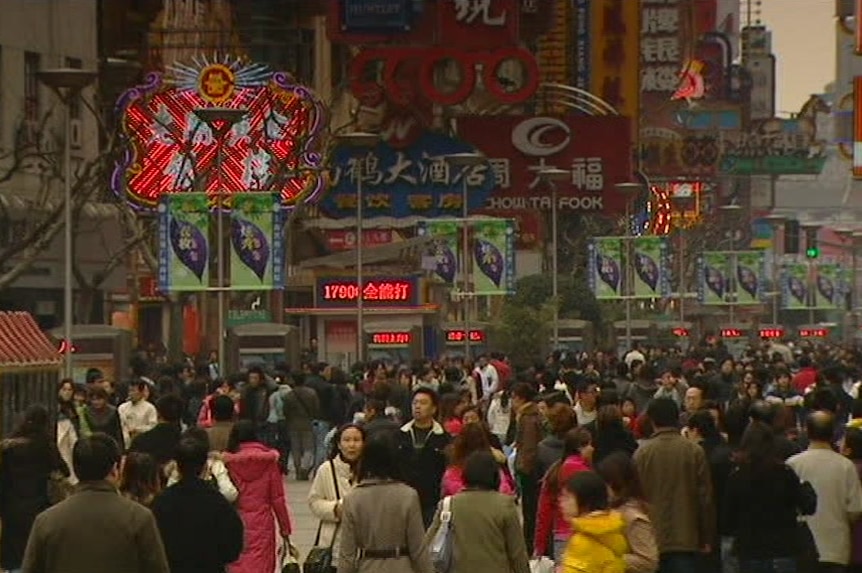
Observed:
{"x":161,"y":441}
{"x":202,"y":533}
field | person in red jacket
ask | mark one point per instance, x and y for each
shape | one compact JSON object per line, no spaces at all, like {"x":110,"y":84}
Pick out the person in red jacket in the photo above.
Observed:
{"x":504,"y":371}
{"x":806,"y":377}
{"x":577,"y":457}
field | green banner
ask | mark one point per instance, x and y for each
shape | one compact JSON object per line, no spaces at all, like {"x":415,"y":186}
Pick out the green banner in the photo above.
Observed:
{"x":714,"y":277}
{"x":650,"y":267}
{"x":184,"y":249}
{"x":829,"y":287}
{"x":493,"y":256}
{"x":749,"y":278}
{"x":605,"y":267}
{"x":795,"y":286}
{"x":445,"y":249}
{"x":254,"y":238}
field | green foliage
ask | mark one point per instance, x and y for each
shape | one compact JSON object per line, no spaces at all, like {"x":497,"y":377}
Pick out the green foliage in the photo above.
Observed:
{"x":522,"y":333}
{"x":576,"y":298}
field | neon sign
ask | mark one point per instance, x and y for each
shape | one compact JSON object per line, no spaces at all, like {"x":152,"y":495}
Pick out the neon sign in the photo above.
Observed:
{"x":65,"y":347}
{"x":391,"y":338}
{"x":731,"y":333}
{"x":376,"y":291}
{"x":274,"y":148}
{"x":771,"y":332}
{"x":813,"y":332}
{"x":458,"y":336}
{"x":680,"y":332}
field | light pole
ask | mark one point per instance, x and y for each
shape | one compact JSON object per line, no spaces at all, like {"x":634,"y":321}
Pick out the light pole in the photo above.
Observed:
{"x":732,"y":208}
{"x":680,"y":229}
{"x":552,"y":175}
{"x":467,"y":161}
{"x":220,"y":121}
{"x":775,"y":223}
{"x":359,"y":140}
{"x":810,"y":231}
{"x":67,"y":83}
{"x":631,"y":191}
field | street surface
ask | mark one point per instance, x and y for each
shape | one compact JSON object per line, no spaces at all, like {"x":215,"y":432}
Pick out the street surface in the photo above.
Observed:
{"x":304,"y":522}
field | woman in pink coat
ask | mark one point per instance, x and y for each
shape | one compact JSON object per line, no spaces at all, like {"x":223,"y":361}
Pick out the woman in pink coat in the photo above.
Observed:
{"x":254,"y":471}
{"x":472,"y":438}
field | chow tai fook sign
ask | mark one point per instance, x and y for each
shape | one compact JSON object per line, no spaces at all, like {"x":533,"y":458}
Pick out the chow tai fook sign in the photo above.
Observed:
{"x":597,"y":151}
{"x":377,"y":291}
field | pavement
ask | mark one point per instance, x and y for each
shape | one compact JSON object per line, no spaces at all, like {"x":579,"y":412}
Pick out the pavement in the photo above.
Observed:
{"x":304,"y":522}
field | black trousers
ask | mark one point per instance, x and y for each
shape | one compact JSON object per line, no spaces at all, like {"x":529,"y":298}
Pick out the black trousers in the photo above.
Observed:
{"x":530,"y":488}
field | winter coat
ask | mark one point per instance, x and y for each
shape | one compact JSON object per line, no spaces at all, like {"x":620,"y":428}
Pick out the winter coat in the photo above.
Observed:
{"x":423,"y":466}
{"x":642,"y":556}
{"x":322,"y":499}
{"x":453,"y":482}
{"x":597,"y":545}
{"x":262,"y":501}
{"x":549,"y":518}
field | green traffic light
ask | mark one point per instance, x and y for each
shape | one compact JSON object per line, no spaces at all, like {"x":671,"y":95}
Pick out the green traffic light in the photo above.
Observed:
{"x":812,"y":252}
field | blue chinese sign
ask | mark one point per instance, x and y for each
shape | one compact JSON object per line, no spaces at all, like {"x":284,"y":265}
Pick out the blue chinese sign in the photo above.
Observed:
{"x":376,"y":15}
{"x":416,"y":181}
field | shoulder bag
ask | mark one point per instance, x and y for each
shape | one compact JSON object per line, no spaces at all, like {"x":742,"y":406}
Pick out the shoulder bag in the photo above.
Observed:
{"x":442,"y":546}
{"x":319,"y":559}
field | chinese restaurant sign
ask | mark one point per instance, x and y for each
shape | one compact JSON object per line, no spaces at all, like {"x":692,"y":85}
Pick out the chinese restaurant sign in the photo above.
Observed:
{"x":274,"y":148}
{"x":413,"y":182}
{"x":593,"y":148}
{"x":376,"y":291}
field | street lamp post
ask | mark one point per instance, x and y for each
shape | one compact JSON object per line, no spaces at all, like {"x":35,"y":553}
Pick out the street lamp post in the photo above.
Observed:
{"x":359,"y":140}
{"x":731,"y":208}
{"x":220,"y":121}
{"x":467,"y":161}
{"x":552,"y":175}
{"x":67,"y":83}
{"x":631,"y":191}
{"x":775,"y":223}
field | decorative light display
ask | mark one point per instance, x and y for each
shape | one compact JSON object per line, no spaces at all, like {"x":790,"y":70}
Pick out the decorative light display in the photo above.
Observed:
{"x":813,"y":332}
{"x":275,"y":148}
{"x":663,"y":212}
{"x":391,"y":338}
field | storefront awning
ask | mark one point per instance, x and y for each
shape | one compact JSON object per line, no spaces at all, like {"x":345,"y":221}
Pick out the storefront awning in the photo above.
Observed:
{"x":402,"y":250}
{"x":23,"y":344}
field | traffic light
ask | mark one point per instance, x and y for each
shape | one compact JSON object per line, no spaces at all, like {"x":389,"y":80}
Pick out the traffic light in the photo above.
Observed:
{"x":791,"y":237}
{"x":812,"y":249}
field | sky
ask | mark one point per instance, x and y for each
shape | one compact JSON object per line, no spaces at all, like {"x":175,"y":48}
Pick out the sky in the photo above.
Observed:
{"x":803,"y":40}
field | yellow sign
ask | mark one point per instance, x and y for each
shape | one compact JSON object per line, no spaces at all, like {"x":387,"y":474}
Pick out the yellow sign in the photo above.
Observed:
{"x":615,"y":65}
{"x":216,"y":83}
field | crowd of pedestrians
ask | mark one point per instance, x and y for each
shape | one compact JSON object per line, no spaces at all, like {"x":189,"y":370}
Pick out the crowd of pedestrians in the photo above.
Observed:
{"x":655,"y":461}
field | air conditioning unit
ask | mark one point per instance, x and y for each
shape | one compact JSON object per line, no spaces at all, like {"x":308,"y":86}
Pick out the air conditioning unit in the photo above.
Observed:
{"x":76,"y":133}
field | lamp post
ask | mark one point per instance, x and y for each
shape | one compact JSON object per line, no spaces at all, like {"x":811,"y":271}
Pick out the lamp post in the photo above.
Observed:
{"x":680,"y":229}
{"x":552,"y":175}
{"x":631,"y":191}
{"x":466,"y":160}
{"x":220,"y":121}
{"x":67,"y":83}
{"x":810,"y":231}
{"x":359,"y":140}
{"x":775,"y":223}
{"x":732,"y":208}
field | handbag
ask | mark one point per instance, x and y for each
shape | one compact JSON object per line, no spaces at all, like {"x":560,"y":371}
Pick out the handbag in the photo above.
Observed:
{"x":319,"y":559}
{"x":541,"y":565}
{"x":290,"y":558}
{"x":442,"y":546}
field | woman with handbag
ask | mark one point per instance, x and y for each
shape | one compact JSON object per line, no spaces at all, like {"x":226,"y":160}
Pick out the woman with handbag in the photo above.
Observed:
{"x":331,"y":483}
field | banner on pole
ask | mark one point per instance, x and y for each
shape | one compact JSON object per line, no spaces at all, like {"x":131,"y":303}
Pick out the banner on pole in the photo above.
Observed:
{"x":750,"y":275}
{"x":493,"y":256}
{"x":713,"y":277}
{"x":794,"y":286}
{"x":445,"y":250}
{"x":830,"y":287}
{"x":651,"y":277}
{"x":605,"y":264}
{"x":257,"y":246}
{"x":184,"y":250}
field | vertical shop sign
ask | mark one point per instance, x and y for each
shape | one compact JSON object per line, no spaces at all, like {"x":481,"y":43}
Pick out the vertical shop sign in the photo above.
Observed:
{"x":615,"y":62}
{"x":661,"y":58}
{"x":582,"y":44}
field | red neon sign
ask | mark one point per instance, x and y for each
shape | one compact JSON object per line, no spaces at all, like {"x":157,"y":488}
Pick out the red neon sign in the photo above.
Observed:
{"x":813,"y":332}
{"x":390,"y":291}
{"x":681,"y":332}
{"x":458,"y":336}
{"x":65,"y":347}
{"x":731,"y":333}
{"x":428,"y":60}
{"x":273,"y":148}
{"x":391,"y":338}
{"x":771,"y":332}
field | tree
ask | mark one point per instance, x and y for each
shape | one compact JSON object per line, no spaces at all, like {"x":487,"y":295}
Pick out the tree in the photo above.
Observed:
{"x":522,"y":333}
{"x":576,"y":298}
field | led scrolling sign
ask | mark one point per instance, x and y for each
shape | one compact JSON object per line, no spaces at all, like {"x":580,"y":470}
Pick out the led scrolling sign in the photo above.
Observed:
{"x":393,"y":338}
{"x":376,"y":291}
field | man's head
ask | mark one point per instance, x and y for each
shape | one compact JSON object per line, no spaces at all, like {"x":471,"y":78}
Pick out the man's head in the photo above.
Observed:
{"x":96,"y":458}
{"x":424,"y":404}
{"x":255,"y":376}
{"x":191,"y":456}
{"x":663,"y":413}
{"x":170,"y":409}
{"x":222,"y":408}
{"x":587,"y":393}
{"x":97,"y":397}
{"x":138,"y":391}
{"x":374,"y":408}
{"x":727,"y":366}
{"x":693,"y":399}
{"x":820,"y":427}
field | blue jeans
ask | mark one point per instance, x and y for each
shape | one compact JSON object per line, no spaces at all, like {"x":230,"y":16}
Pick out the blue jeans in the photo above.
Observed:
{"x":319,"y":428}
{"x":679,"y":562}
{"x":559,"y":549}
{"x":783,"y":565}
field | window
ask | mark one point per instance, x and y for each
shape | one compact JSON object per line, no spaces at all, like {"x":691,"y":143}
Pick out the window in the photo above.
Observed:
{"x":75,"y":105}
{"x":32,"y":63}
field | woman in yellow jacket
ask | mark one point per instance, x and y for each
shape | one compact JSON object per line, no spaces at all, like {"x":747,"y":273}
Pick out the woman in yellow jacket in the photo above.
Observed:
{"x":598,"y":542}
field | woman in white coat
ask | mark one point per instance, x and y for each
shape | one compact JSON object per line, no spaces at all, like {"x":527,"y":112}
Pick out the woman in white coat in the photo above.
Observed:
{"x":332,"y":481}
{"x":67,"y":424}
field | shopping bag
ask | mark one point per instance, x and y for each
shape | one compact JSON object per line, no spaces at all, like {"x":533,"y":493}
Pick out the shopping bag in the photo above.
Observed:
{"x":541,"y":565}
{"x":290,"y":558}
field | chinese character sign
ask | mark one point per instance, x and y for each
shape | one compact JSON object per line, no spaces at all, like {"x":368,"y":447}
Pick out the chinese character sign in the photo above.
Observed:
{"x":257,"y":254}
{"x":275,"y":147}
{"x":615,"y":65}
{"x":493,"y":254}
{"x":713,"y":277}
{"x":376,"y":292}
{"x":794,"y":287}
{"x":750,"y":276}
{"x":605,"y":267}
{"x":661,"y":58}
{"x":830,"y":287}
{"x":651,"y":268}
{"x":444,"y":249}
{"x":183,"y":242}
{"x":416,"y":181}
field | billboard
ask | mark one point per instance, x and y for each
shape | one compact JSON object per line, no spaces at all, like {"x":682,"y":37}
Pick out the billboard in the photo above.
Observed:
{"x":615,"y":54}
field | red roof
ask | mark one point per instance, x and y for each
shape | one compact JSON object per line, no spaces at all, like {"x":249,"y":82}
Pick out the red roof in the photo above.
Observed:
{"x":22,"y":342}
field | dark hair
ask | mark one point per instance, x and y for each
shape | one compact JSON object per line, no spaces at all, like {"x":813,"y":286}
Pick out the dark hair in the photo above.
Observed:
{"x":758,"y":448}
{"x":590,"y":490}
{"x":525,"y":391}
{"x":334,"y":451}
{"x":94,"y":456}
{"x":97,"y":393}
{"x":222,"y":408}
{"x":241,"y":432}
{"x":448,"y":406}
{"x":379,"y":458}
{"x":621,"y":474}
{"x":35,"y":425}
{"x":191,"y":454}
{"x":573,"y":441}
{"x":481,"y":471}
{"x":140,"y":479}
{"x":704,"y":423}
{"x":561,"y":418}
{"x":820,"y":426}
{"x":259,"y":371}
{"x":663,"y":413}
{"x":471,"y":439}
{"x":435,"y":399}
{"x":170,"y":408}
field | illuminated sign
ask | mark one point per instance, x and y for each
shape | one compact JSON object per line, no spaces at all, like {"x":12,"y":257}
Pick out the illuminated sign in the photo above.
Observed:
{"x":395,"y":338}
{"x":771,"y":332}
{"x":813,"y":332}
{"x":731,"y":333}
{"x":681,"y":332}
{"x":458,"y":336}
{"x":66,"y":347}
{"x":376,"y":291}
{"x":274,"y":148}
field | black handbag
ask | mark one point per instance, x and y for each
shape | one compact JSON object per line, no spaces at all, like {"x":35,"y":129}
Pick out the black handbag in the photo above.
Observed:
{"x":319,"y":559}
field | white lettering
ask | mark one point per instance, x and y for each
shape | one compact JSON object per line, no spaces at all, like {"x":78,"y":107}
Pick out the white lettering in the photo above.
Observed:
{"x":589,"y":203}
{"x":467,"y":11}
{"x":660,"y":21}
{"x":530,"y":136}
{"x":500,"y":169}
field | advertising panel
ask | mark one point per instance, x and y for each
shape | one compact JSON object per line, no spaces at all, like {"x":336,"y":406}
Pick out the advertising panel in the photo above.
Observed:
{"x":184,"y":249}
{"x":615,"y":57}
{"x":257,"y":244}
{"x":493,"y":257}
{"x":377,"y":291}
